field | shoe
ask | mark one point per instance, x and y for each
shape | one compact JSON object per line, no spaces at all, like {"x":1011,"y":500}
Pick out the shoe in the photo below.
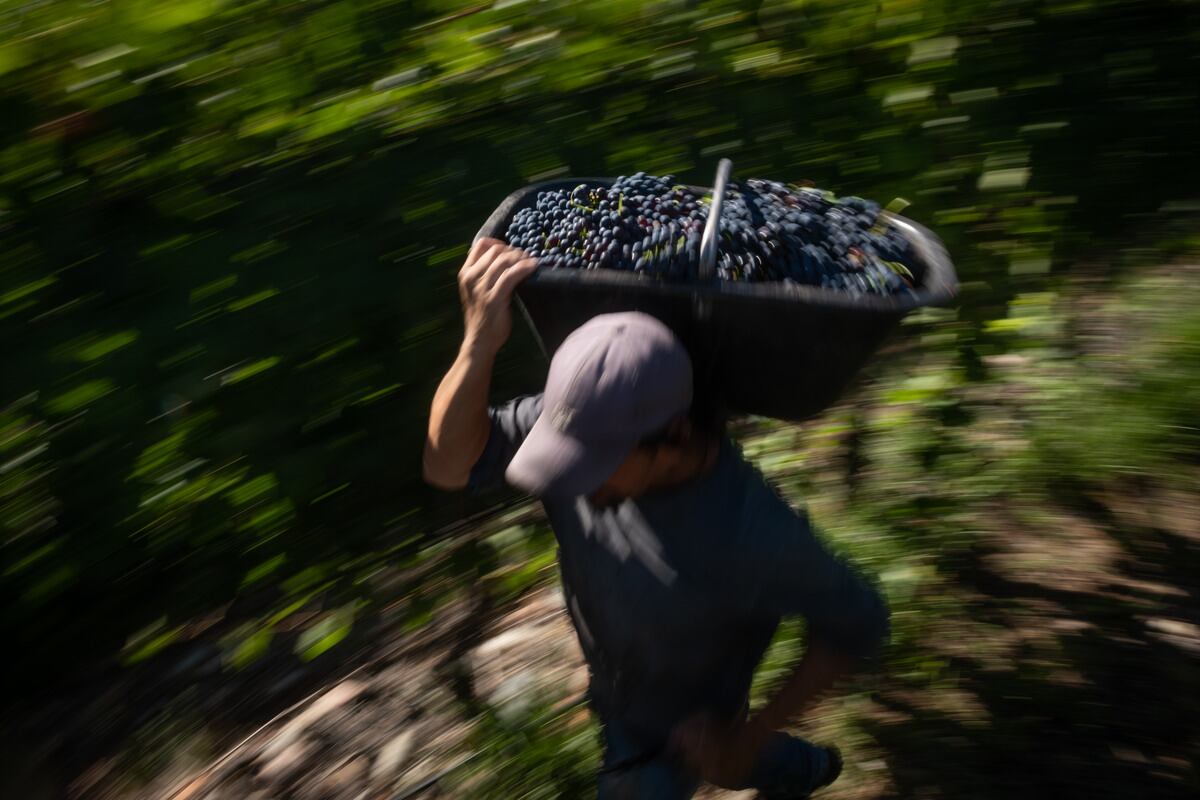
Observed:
{"x":835,"y":766}
{"x":831,"y":775}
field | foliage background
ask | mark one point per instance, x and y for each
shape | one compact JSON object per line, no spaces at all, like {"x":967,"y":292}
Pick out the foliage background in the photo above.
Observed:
{"x":229,"y":234}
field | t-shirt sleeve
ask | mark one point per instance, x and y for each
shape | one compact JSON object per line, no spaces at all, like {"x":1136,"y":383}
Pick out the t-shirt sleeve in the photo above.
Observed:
{"x":510,"y":425}
{"x":782,"y":567}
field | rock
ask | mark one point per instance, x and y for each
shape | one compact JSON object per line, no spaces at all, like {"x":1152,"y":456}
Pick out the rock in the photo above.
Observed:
{"x":335,"y":698}
{"x":282,"y":766}
{"x":345,"y":779}
{"x":532,"y":658}
{"x":1178,"y":633}
{"x":509,"y":639}
{"x":1174,"y":627}
{"x":393,"y":756}
{"x":513,"y":698}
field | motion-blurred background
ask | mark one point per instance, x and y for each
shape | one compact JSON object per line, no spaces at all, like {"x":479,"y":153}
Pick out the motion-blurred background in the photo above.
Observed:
{"x":228,"y":240}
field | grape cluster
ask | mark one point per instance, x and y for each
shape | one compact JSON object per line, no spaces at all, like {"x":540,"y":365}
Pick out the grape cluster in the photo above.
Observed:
{"x":768,"y":232}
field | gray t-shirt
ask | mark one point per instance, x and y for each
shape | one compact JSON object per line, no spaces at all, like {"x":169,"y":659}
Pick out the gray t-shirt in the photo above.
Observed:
{"x":676,"y":594}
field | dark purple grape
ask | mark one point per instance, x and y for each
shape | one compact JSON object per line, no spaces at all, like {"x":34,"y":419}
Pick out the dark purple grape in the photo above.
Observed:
{"x":768,"y":232}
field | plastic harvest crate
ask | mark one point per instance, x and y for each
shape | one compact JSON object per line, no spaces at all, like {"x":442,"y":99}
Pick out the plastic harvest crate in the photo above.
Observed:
{"x":772,"y":349}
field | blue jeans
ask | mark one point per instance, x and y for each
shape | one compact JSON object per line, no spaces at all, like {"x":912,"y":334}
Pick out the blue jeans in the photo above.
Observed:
{"x":789,"y":767}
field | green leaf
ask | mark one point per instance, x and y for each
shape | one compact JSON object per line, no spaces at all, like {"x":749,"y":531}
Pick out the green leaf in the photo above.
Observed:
{"x":14,"y":55}
{"x":249,"y":371}
{"x":253,"y":299}
{"x":213,"y":287}
{"x":325,"y":634}
{"x":264,"y":569}
{"x":20,"y":292}
{"x":147,"y":643}
{"x":81,"y":396}
{"x":99,"y":348}
{"x":252,"y":648}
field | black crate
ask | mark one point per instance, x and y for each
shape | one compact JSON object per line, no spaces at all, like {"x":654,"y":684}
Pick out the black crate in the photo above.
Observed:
{"x":773,"y":349}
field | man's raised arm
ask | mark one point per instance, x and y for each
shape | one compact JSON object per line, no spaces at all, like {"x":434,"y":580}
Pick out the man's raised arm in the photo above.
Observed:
{"x":458,"y":420}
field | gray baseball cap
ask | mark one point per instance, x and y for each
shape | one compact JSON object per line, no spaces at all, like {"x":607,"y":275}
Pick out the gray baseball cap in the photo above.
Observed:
{"x":614,"y":380}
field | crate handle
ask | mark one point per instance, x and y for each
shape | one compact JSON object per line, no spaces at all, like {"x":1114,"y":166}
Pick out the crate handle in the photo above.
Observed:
{"x":709,"y":246}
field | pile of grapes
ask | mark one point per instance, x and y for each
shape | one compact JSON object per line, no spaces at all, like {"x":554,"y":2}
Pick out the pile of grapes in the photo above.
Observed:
{"x":769,"y":232}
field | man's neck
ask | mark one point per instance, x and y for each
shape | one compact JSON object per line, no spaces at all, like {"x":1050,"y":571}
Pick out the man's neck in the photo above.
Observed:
{"x":698,"y":459}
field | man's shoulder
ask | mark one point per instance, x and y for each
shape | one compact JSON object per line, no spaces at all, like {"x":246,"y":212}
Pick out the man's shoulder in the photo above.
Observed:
{"x":531,"y":398}
{"x":516,"y":416}
{"x":731,"y":498}
{"x":742,"y":471}
{"x":761,"y":501}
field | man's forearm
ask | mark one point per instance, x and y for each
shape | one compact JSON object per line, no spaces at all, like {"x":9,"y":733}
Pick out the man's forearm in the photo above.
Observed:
{"x":458,"y":420}
{"x":817,"y":671}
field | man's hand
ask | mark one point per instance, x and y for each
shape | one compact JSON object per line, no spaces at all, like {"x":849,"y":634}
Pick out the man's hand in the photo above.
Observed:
{"x":724,"y":752}
{"x":721,"y":752}
{"x":485,"y":286}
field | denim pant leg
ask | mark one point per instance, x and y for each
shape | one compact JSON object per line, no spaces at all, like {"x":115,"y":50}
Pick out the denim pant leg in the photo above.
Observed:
{"x":633,"y":771}
{"x":789,"y":767}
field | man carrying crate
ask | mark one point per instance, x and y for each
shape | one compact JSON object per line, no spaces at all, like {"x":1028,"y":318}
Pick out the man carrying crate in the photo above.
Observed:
{"x":677,"y":559}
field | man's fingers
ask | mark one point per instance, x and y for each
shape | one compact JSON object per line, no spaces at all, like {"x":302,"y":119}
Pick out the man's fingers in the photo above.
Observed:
{"x":512,"y":276}
{"x":490,"y":253}
{"x":472,"y":260}
{"x":481,"y":244}
{"x":500,"y":264}
{"x":473,"y":270}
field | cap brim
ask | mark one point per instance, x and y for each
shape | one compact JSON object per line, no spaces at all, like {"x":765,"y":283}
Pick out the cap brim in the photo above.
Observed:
{"x":551,"y":463}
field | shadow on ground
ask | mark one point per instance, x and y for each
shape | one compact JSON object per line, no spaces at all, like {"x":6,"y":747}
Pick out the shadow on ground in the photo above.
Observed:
{"x":1100,"y":694}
